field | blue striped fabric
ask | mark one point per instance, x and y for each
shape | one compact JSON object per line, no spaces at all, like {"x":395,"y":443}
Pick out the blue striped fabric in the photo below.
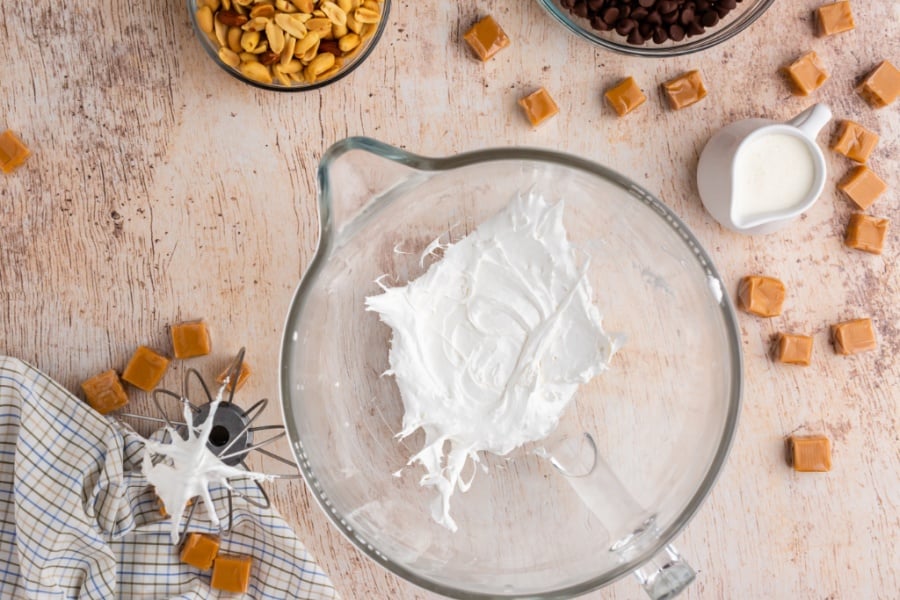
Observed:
{"x":78,"y":520}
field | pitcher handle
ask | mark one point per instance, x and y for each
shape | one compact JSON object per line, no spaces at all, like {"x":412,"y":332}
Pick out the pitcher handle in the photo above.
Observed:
{"x":811,"y":121}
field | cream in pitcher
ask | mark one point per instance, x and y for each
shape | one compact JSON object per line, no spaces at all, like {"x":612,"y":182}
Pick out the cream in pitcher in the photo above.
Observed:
{"x":773,"y":172}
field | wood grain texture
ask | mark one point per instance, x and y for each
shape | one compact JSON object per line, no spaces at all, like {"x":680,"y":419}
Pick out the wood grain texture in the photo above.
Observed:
{"x":161,"y":189}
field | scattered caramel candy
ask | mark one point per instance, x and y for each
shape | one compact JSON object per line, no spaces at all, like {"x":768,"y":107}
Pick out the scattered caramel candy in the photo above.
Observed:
{"x":809,"y":454}
{"x":882,"y":86}
{"x":855,"y":141}
{"x":834,"y":18}
{"x":199,"y":550}
{"x":863,"y":186}
{"x":794,"y":349}
{"x":625,"y":97}
{"x":104,"y":392}
{"x":190,"y":339}
{"x":685,"y":90}
{"x":538,"y":106}
{"x":241,"y":378}
{"x":145,"y":368}
{"x":231,"y":573}
{"x":486,"y":38}
{"x":852,"y":337}
{"x":866,"y":233}
{"x":761,"y":296}
{"x":12,"y":152}
{"x":806,"y":74}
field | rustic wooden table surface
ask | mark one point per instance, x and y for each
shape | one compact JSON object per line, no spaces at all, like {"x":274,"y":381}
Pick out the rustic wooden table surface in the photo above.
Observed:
{"x":161,"y":190}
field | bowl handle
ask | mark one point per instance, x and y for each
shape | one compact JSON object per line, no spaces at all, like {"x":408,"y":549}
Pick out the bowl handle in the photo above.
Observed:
{"x":353,"y":173}
{"x":665,"y":575}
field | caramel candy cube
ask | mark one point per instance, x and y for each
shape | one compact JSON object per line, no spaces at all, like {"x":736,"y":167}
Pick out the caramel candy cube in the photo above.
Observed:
{"x":794,"y":349}
{"x":806,"y":74}
{"x":200,"y":550}
{"x":882,"y":86}
{"x":855,"y":141}
{"x":190,"y":339}
{"x":538,"y":106}
{"x":145,"y":368}
{"x":834,"y":18}
{"x":761,"y":296}
{"x":104,"y":392}
{"x":809,"y":454}
{"x":866,"y":233}
{"x":685,"y":90}
{"x":625,"y":97}
{"x":853,"y":337}
{"x":863,"y":186}
{"x":241,"y":378}
{"x":486,"y":38}
{"x":231,"y":573}
{"x":12,"y":152}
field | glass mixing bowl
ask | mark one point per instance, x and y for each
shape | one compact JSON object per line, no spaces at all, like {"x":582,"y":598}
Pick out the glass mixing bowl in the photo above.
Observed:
{"x":744,"y":14}
{"x":636,"y":451}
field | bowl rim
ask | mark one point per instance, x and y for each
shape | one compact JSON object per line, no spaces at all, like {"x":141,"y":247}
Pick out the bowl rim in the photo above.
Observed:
{"x":192,"y":6}
{"x":719,"y":35}
{"x":430,"y":164}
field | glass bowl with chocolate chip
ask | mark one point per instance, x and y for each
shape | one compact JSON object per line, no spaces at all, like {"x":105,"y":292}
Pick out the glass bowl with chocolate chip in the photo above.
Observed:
{"x":289,"y":45}
{"x":656,"y":27}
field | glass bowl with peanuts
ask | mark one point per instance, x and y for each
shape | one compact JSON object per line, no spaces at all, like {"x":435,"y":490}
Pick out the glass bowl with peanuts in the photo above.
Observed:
{"x":289,"y":45}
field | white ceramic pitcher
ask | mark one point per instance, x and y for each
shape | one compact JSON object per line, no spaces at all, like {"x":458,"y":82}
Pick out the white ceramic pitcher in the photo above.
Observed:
{"x":719,"y":178}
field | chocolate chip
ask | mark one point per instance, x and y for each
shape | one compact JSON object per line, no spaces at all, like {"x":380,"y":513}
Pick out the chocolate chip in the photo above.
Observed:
{"x":646,"y":3}
{"x":660,"y":35}
{"x":635,"y":38}
{"x":727,"y":4}
{"x":639,"y":14}
{"x":670,"y":18}
{"x":625,"y":26}
{"x":596,"y":5}
{"x":694,"y":28}
{"x":645,"y":29}
{"x":610,"y":15}
{"x":709,"y":18}
{"x":676,"y":33}
{"x":667,"y":6}
{"x":580,"y":9}
{"x":654,"y":19}
{"x":599,"y":24}
{"x":687,"y":15}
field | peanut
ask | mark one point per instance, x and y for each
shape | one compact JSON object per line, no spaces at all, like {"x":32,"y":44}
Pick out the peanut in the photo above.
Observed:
{"x":229,"y":57}
{"x":256,"y":71}
{"x":319,"y":65}
{"x":204,"y":17}
{"x":249,"y":40}
{"x":231,"y":18}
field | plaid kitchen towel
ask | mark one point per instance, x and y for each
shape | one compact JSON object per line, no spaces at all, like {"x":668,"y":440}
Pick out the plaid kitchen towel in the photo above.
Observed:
{"x":78,"y":519}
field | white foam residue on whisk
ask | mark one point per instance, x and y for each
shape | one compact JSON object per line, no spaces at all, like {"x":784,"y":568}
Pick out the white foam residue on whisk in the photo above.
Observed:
{"x":188,"y":468}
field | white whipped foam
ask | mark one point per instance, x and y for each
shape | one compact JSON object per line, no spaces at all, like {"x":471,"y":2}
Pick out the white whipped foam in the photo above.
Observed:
{"x":492,"y":342}
{"x":188,"y":468}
